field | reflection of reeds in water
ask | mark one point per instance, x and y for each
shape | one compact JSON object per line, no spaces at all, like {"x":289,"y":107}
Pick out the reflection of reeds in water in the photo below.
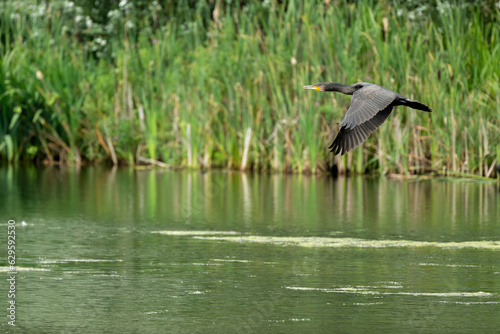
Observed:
{"x":228,"y":92}
{"x":401,"y":206}
{"x":242,"y":202}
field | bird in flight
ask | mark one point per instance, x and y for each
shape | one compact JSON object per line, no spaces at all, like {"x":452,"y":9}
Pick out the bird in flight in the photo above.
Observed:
{"x":370,"y":106}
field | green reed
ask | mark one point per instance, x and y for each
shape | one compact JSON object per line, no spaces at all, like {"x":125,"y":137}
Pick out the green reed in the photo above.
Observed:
{"x":223,"y":88}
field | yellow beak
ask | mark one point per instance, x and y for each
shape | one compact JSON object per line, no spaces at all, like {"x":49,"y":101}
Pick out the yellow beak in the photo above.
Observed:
{"x":313,"y":87}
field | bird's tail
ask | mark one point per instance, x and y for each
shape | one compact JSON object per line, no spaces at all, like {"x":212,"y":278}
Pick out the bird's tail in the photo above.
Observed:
{"x":416,"y":105}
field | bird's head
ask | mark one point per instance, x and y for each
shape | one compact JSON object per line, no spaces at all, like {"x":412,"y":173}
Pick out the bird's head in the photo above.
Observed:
{"x":320,"y":86}
{"x":336,"y":87}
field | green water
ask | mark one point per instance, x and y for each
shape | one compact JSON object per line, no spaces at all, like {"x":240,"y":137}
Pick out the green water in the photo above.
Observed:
{"x":124,"y":251}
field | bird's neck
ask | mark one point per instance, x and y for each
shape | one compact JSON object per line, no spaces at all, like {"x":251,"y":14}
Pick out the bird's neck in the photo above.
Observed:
{"x":337,"y":87}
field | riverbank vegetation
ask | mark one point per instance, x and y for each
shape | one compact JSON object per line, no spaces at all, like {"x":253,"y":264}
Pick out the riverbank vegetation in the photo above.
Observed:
{"x":215,"y":83}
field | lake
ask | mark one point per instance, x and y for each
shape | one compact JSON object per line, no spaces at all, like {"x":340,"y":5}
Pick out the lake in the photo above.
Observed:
{"x":150,"y":251}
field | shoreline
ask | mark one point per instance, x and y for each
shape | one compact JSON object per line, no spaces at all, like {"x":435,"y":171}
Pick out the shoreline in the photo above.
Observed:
{"x":328,"y":173}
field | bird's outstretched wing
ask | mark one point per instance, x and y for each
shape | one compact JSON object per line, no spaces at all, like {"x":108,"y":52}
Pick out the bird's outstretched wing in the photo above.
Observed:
{"x":370,"y":107}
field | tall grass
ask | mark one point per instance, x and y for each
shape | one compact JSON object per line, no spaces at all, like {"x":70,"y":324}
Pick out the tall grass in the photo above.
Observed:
{"x":222,"y":87}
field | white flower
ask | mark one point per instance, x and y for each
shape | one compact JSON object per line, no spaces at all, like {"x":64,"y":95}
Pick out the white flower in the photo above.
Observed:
{"x":88,"y":22}
{"x":130,"y":24}
{"x":39,"y":75}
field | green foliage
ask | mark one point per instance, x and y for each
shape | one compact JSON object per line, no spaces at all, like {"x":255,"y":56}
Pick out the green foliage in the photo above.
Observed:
{"x":182,"y":82}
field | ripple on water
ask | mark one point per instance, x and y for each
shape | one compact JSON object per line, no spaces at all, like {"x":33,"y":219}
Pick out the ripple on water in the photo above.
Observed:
{"x":469,"y":303}
{"x":353,"y":242}
{"x":231,"y":260}
{"x":169,"y":232}
{"x":449,"y":265}
{"x":45,"y":261}
{"x":364,"y":291}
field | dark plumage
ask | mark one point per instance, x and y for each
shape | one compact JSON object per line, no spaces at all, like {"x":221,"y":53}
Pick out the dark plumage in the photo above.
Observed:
{"x":370,"y":106}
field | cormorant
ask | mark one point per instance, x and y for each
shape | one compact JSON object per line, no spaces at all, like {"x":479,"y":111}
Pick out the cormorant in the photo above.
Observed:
{"x":370,"y":106}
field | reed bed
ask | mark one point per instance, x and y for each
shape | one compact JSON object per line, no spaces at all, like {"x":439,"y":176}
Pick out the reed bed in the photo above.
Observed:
{"x":219,"y":84}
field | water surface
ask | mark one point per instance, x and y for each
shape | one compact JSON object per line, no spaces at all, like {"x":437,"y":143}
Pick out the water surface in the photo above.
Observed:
{"x":184,"y":252}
